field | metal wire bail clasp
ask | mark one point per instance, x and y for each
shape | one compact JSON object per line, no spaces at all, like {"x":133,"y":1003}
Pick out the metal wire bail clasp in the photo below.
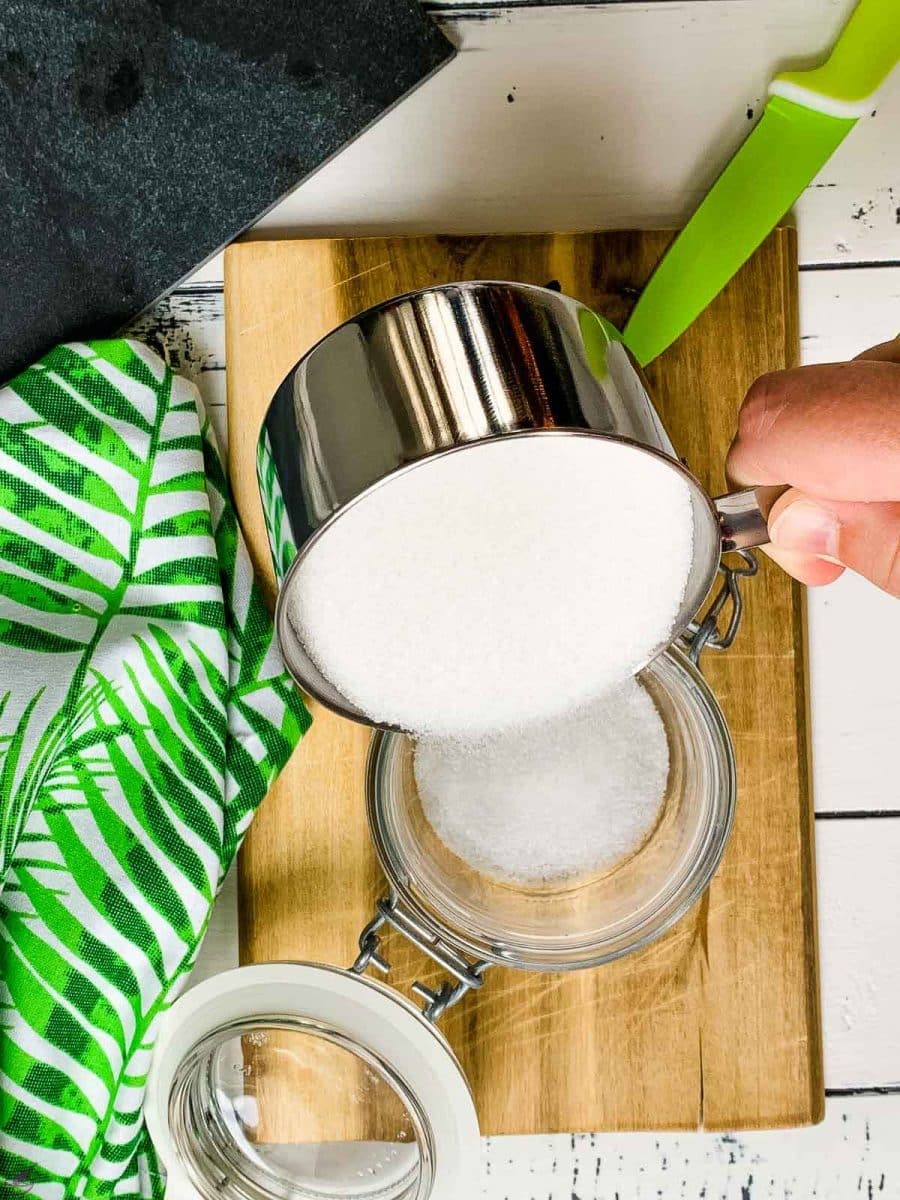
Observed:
{"x":709,"y":633}
{"x":468,"y":975}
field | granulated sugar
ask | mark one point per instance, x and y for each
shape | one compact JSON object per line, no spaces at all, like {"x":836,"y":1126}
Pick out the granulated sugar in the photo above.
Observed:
{"x":562,"y":799}
{"x":505,"y":583}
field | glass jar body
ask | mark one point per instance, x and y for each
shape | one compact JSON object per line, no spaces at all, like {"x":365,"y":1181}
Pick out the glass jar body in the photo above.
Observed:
{"x":583,"y":921}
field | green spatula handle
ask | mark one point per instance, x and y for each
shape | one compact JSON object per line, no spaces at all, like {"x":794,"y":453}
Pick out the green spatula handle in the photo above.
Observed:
{"x":863,"y":57}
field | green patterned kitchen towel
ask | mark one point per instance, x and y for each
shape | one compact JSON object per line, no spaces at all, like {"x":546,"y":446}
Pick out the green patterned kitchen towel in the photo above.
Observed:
{"x":144,"y":712}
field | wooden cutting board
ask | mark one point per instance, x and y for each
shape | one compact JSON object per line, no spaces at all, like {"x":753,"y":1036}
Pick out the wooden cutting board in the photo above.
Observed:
{"x":717,"y":1025}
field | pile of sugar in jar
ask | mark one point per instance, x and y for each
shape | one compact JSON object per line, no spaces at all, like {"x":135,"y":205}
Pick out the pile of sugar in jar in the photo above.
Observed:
{"x":570,"y":797}
{"x":486,"y":601}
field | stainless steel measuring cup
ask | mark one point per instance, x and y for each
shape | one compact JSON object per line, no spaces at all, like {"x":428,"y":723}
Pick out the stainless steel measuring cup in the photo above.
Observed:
{"x":435,"y":372}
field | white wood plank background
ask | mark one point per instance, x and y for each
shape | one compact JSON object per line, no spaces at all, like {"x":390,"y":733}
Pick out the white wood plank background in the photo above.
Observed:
{"x":621,"y":114}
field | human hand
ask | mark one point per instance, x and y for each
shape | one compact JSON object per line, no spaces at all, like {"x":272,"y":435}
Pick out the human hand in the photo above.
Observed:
{"x":831,"y":432}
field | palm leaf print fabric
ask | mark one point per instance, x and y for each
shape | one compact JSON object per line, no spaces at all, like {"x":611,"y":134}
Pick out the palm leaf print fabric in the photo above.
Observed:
{"x":144,"y":712}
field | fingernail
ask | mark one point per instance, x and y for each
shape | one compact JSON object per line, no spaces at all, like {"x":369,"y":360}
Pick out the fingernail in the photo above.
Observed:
{"x":806,"y":527}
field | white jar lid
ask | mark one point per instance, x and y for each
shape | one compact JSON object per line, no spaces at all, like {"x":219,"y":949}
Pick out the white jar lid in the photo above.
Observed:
{"x":301,"y":1080}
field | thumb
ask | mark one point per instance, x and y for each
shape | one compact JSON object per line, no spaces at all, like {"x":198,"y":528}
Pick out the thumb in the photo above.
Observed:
{"x":859,"y":535}
{"x":884,"y":352}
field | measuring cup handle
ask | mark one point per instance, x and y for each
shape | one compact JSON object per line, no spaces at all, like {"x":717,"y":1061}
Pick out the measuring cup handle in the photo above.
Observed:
{"x":743,"y":516}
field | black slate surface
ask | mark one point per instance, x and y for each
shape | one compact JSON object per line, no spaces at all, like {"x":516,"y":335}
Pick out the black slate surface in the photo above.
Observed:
{"x":138,"y":136}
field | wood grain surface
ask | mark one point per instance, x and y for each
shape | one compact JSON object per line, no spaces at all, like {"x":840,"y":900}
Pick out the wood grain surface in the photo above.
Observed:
{"x":717,"y":1025}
